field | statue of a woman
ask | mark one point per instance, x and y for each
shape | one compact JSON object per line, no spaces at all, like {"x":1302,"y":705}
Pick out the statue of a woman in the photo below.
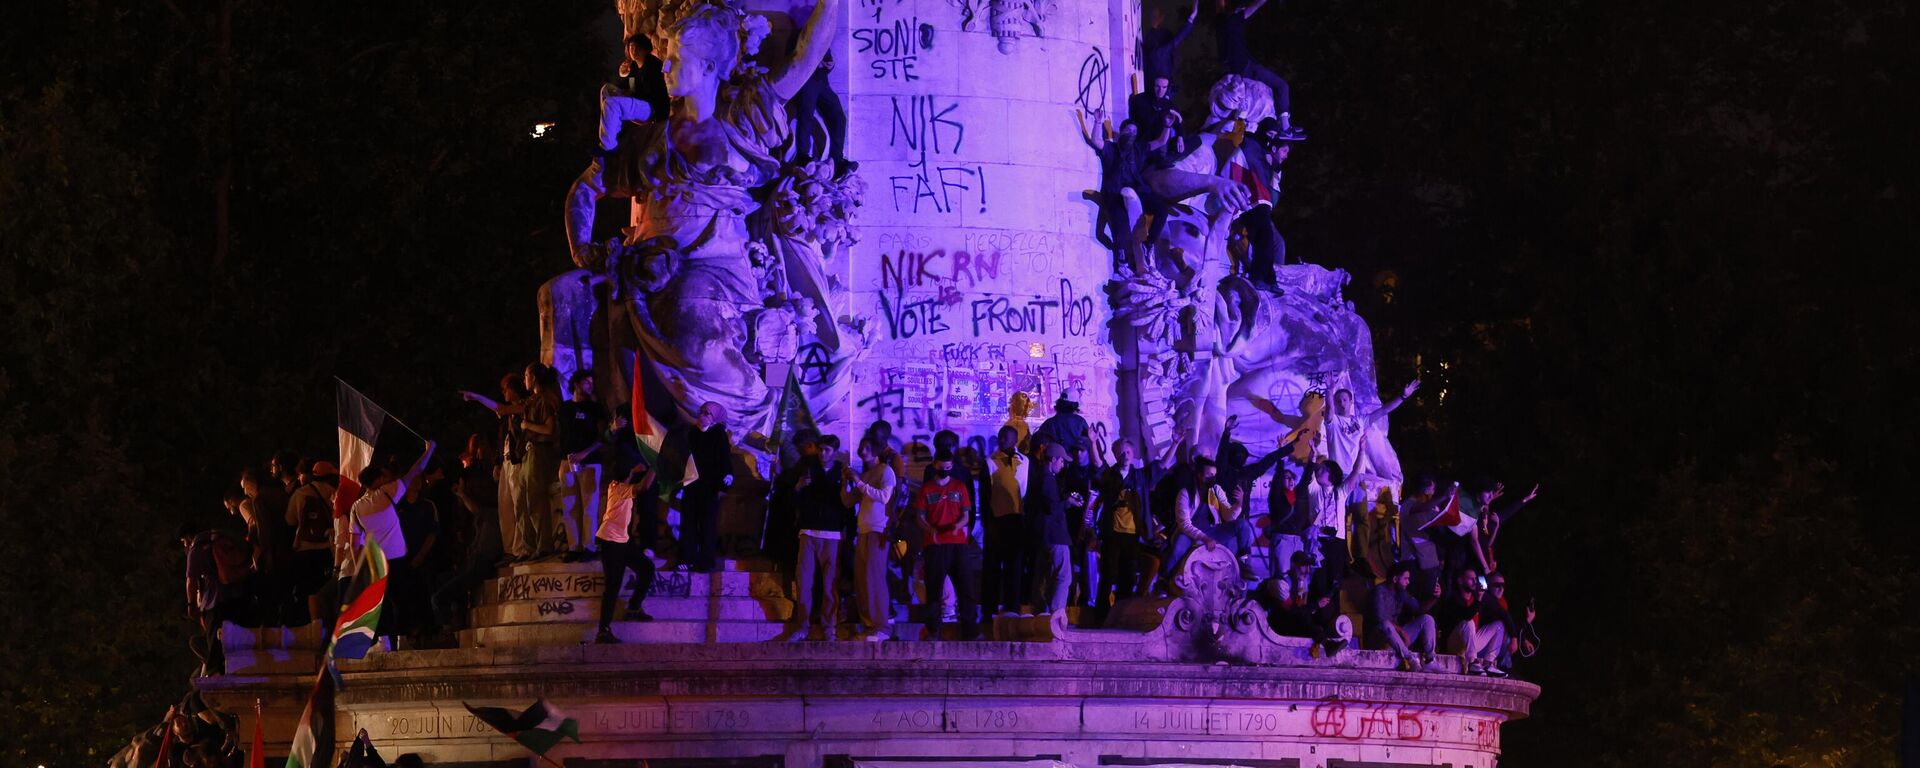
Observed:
{"x":695,"y":179}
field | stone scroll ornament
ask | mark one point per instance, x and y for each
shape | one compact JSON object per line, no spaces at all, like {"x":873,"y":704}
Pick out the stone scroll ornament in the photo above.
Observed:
{"x":1214,"y":344}
{"x":1006,"y":20}
{"x":726,"y":270}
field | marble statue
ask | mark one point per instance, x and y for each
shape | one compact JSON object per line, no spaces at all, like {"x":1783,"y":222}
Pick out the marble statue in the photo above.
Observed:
{"x":723,"y":272}
{"x":1216,"y":344}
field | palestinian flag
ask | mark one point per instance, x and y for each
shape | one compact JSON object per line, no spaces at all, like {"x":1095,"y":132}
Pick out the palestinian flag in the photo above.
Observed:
{"x":650,"y":433}
{"x":359,"y":421}
{"x":313,"y":740}
{"x":537,"y":729}
{"x":1454,"y":518}
{"x":353,"y":633}
{"x":792,"y":414}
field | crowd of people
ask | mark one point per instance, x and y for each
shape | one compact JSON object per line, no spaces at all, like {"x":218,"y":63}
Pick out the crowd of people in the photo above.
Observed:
{"x":1052,"y":519}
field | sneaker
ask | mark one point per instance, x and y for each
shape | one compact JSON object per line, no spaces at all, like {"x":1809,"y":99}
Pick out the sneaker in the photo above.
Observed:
{"x":877,"y":637}
{"x":1494,"y":670}
{"x":1407,"y":664}
{"x":1472,"y":667}
{"x":793,"y":636}
{"x":606,"y":637}
{"x":1426,"y":659}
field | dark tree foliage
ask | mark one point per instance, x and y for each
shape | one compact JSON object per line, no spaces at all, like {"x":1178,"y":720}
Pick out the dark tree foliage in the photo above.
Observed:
{"x":1654,"y":255}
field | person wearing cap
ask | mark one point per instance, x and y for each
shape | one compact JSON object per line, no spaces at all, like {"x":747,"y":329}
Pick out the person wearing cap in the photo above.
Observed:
{"x":310,"y":517}
{"x":1047,"y":509}
{"x":1262,"y":151}
{"x":1399,"y":621}
{"x":1066,"y":427}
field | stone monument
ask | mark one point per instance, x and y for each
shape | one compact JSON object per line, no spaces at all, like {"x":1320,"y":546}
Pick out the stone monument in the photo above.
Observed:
{"x":955,"y":280}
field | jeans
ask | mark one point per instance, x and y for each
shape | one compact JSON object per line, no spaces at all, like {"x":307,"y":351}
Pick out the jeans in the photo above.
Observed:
{"x":1478,"y":643}
{"x":1053,"y":577}
{"x":616,"y":558}
{"x":961,"y":563}
{"x":1419,"y":635}
{"x":870,"y":581}
{"x":819,"y":563}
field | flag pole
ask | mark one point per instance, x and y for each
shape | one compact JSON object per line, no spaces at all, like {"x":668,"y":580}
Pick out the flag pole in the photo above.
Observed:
{"x":390,"y":416}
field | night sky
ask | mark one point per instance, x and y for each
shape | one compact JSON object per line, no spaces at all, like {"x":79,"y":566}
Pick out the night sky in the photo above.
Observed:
{"x":1658,"y":255}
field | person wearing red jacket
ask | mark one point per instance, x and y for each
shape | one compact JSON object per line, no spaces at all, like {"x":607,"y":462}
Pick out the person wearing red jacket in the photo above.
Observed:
{"x":943,"y":503}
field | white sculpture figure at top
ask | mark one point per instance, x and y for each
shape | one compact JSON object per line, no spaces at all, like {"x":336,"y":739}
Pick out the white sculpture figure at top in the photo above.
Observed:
{"x":724,"y":259}
{"x":1215,"y":344}
{"x":1008,"y":20}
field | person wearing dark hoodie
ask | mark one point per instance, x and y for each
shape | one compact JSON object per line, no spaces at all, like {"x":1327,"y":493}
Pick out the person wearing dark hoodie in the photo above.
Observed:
{"x":1047,"y":509}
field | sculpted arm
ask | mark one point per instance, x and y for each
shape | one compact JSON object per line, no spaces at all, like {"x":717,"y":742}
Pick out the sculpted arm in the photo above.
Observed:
{"x":815,"y":40}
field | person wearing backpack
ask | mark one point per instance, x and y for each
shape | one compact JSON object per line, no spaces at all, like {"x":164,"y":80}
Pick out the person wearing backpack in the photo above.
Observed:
{"x":310,"y":516}
{"x":218,"y":566}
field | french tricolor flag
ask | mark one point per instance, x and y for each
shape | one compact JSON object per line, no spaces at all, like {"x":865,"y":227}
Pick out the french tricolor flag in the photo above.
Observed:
{"x":360,"y":421}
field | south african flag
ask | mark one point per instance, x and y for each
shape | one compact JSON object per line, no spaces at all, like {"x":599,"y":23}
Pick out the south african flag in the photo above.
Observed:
{"x":354,"y":633}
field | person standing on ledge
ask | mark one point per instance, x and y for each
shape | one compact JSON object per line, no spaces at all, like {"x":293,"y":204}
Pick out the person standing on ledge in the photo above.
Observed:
{"x":1230,"y":39}
{"x":712,"y":450}
{"x":375,"y":516}
{"x":946,"y":503}
{"x":626,"y":529}
{"x":1048,"y":508}
{"x":820,"y":518}
{"x":583,"y":420}
{"x":1006,"y":490}
{"x":1066,"y":427}
{"x":868,"y":493}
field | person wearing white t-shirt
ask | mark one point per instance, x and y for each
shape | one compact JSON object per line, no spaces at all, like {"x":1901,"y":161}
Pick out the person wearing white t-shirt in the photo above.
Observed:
{"x":1345,"y":434}
{"x":374,"y":516}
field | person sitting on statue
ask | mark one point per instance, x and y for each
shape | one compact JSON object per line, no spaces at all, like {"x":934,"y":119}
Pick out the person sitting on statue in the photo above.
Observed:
{"x":1160,"y":46}
{"x":1258,"y":167}
{"x":1398,"y":621}
{"x":1123,"y":166}
{"x":637,"y":94}
{"x":1302,"y":601}
{"x":1152,"y":110}
{"x":1205,"y":514}
{"x":1230,"y":40}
